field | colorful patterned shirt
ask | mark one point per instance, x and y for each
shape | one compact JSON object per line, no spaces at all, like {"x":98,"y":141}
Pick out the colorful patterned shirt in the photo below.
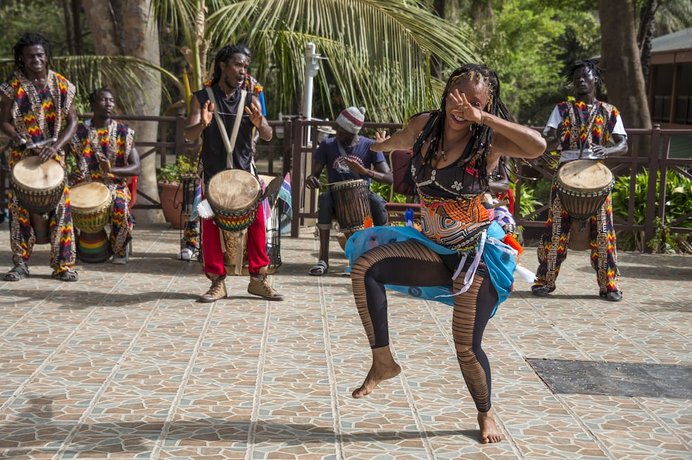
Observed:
{"x":92,"y":145}
{"x":38,"y":114}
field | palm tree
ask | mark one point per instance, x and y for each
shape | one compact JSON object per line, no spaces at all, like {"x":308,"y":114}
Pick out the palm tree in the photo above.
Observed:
{"x":378,"y":51}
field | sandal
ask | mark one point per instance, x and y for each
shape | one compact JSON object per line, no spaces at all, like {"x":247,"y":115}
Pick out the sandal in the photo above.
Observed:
{"x":18,"y":272}
{"x":68,"y":275}
{"x":319,"y":269}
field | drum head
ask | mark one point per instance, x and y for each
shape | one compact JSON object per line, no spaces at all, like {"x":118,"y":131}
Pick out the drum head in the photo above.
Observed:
{"x":584,"y":176}
{"x":32,"y":174}
{"x":233,"y":189}
{"x":346,"y":184}
{"x":90,"y":196}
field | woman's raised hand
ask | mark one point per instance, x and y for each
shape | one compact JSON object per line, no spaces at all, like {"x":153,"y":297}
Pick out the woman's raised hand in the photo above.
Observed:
{"x":461,"y":107}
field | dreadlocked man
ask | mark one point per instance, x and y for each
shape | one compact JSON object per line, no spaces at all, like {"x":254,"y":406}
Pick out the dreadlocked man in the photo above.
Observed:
{"x":231,"y":104}
{"x":460,"y":248}
{"x":38,"y":115}
{"x":581,"y":129}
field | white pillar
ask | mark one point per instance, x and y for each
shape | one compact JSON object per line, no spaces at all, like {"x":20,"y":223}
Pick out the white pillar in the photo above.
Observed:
{"x":312,"y":66}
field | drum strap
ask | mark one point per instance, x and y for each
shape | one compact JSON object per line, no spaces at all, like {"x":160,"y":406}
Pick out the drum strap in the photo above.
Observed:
{"x":228,"y":143}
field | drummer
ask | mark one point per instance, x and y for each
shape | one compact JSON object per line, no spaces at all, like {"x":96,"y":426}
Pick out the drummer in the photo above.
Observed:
{"x":105,"y":153}
{"x":582,"y":128}
{"x":230,"y":71}
{"x":347,"y":156}
{"x":38,"y":115}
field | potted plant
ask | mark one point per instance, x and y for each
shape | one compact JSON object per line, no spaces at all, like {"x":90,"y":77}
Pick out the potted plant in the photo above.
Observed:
{"x":170,"y":184}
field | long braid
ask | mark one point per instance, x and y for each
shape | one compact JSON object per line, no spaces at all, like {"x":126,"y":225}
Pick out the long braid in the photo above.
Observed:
{"x":481,"y":135}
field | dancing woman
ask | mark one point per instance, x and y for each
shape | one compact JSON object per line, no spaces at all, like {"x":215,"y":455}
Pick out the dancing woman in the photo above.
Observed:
{"x":455,"y":148}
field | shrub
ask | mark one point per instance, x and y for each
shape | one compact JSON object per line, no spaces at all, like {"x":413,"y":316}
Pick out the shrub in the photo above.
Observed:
{"x":174,"y":172}
{"x":679,"y":202}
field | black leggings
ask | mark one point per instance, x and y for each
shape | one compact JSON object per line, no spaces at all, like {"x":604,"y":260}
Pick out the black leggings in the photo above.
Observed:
{"x":410,"y":263}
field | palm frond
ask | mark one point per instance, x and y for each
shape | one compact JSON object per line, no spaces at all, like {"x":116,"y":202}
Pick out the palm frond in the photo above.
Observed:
{"x":378,"y":51}
{"x":91,"y":72}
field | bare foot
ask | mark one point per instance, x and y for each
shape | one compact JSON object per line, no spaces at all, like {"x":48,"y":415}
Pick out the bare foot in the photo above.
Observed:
{"x":378,"y":373}
{"x":490,"y":433}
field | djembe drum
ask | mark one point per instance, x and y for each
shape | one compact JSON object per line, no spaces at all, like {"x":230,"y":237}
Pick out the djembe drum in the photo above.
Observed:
{"x":91,"y":204}
{"x":235,"y":243}
{"x":234,"y":196}
{"x":583,"y":186}
{"x":38,"y":187}
{"x":351,"y":204}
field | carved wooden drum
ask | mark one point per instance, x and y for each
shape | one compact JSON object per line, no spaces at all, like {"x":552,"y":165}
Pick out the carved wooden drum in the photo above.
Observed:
{"x":38,"y":185}
{"x":351,"y":204}
{"x":92,"y":204}
{"x":234,"y":196}
{"x":583,"y":186}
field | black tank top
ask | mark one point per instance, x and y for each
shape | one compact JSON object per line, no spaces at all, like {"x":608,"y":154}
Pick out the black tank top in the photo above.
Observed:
{"x":213,"y":149}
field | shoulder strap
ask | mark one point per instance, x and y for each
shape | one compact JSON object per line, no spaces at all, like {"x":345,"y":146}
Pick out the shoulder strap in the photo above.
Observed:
{"x":228,"y":143}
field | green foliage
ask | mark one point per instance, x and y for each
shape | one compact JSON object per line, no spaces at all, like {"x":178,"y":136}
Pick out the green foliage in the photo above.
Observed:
{"x":43,"y":16}
{"x":678,"y":194}
{"x":528,"y":202}
{"x":174,"y":172}
{"x":528,"y":49}
{"x":663,"y":241}
{"x":678,"y":204}
{"x":384,"y":190}
{"x":90,"y":72}
{"x":378,"y":51}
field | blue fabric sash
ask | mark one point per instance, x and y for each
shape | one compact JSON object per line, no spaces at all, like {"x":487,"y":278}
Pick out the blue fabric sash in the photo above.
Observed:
{"x":499,"y":259}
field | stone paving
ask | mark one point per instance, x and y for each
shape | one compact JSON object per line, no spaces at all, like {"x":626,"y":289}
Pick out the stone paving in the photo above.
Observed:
{"x":125,"y":364}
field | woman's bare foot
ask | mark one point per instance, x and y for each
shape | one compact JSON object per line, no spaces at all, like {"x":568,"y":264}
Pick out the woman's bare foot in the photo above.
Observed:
{"x":383,"y":367}
{"x":489,"y":431}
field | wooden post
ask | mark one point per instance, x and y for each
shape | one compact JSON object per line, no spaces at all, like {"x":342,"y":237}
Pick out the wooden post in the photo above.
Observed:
{"x":296,"y":174}
{"x":649,"y":229}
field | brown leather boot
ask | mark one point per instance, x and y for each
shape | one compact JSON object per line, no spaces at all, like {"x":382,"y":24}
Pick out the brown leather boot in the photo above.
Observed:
{"x":217,"y":290}
{"x":259,"y":285}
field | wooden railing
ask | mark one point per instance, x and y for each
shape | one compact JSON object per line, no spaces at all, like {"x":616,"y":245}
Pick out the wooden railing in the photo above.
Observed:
{"x":293,"y":147}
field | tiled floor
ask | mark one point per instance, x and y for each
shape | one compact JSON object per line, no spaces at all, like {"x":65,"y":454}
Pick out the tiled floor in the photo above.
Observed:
{"x":125,"y":364}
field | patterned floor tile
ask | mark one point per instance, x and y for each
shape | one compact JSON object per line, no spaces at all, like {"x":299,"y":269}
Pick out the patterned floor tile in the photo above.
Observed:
{"x":126,"y":364}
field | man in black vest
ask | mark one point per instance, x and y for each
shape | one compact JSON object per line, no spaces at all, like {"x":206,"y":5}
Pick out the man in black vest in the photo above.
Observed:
{"x":230,"y":71}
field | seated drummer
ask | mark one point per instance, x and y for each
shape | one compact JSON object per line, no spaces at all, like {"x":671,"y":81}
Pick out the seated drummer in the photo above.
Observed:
{"x":347,"y":156}
{"x":582,"y":128}
{"x":105,"y":152}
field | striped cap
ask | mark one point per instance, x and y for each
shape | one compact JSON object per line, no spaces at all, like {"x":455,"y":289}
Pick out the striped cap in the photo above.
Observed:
{"x":351,"y":119}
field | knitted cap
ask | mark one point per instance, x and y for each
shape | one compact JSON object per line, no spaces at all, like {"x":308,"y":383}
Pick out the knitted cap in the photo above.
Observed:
{"x":351,"y":119}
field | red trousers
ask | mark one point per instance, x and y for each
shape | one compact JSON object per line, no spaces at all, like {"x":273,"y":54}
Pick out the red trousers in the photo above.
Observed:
{"x":212,"y":254}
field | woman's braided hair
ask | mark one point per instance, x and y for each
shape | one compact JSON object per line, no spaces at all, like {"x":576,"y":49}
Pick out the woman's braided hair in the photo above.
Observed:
{"x":30,"y":39}
{"x":481,"y":136}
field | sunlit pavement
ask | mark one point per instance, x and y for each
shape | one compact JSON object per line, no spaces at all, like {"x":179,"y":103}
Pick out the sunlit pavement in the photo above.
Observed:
{"x":125,"y":364}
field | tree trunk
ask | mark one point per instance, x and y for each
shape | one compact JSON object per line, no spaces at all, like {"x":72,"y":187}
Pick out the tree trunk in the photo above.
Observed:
{"x":104,"y":27}
{"x":482,"y":17}
{"x":69,"y":27}
{"x":647,"y":29}
{"x":620,"y":58}
{"x":141,"y":39}
{"x":77,"y":23}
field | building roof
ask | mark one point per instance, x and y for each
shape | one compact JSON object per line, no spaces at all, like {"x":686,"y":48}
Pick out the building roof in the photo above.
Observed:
{"x":680,"y":40}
